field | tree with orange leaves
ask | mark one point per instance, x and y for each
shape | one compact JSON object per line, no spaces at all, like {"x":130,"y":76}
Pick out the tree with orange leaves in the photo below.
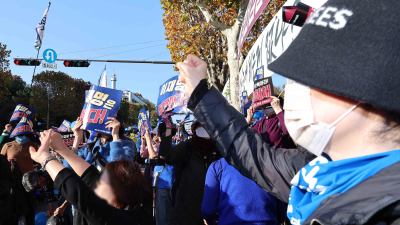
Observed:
{"x":210,"y":30}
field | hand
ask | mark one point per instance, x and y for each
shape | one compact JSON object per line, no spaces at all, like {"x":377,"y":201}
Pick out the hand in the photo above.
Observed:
{"x":276,"y":104}
{"x":30,"y":123}
{"x":191,"y":72}
{"x":147,"y":135}
{"x":60,"y":210}
{"x":8,"y":127}
{"x":250,"y":114}
{"x":49,"y":213}
{"x":78,"y":132}
{"x":43,"y":152}
{"x":167,"y":119}
{"x":183,"y":122}
{"x":113,"y":124}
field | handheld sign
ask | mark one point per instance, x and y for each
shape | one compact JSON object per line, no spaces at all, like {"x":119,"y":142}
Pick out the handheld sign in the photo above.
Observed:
{"x":68,"y":139}
{"x":143,"y":122}
{"x":64,"y":126}
{"x":100,"y":103}
{"x":263,"y":90}
{"x":23,"y":127}
{"x":22,"y":111}
{"x":172,"y":94}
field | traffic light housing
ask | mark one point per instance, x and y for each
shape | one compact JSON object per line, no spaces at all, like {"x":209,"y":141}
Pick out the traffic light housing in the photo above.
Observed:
{"x":27,"y":62}
{"x":76,"y":63}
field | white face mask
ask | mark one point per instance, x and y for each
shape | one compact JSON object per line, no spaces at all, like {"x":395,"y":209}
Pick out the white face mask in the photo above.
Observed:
{"x":201,"y":132}
{"x":268,"y":111}
{"x":299,"y":120}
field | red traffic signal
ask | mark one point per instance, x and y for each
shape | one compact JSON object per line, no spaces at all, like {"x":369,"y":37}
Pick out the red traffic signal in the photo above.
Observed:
{"x":27,"y":62}
{"x":76,"y":63}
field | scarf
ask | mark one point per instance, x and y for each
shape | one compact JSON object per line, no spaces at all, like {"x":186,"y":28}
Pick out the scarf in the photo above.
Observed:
{"x":205,"y":145}
{"x":322,"y":178}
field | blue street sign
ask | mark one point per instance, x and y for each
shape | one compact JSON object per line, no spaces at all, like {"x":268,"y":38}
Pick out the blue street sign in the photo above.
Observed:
{"x":49,"y":55}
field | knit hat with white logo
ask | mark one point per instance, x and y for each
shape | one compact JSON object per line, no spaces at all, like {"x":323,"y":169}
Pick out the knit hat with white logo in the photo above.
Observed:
{"x":349,"y":48}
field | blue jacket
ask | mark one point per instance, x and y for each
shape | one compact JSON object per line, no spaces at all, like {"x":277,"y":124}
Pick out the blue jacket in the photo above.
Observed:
{"x":236,"y":199}
{"x":111,"y":151}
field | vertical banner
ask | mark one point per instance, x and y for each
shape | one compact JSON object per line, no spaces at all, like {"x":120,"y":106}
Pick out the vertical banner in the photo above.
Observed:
{"x":100,"y":103}
{"x":64,"y":126}
{"x":172,"y":96}
{"x":143,"y":122}
{"x":22,"y":111}
{"x":253,"y":11}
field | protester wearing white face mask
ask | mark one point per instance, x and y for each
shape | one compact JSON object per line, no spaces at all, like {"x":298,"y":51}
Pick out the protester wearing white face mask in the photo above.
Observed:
{"x":192,"y":158}
{"x":350,"y":118}
{"x":272,"y":126}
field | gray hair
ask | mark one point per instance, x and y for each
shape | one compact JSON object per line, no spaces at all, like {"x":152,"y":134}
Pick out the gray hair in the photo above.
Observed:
{"x":30,"y":180}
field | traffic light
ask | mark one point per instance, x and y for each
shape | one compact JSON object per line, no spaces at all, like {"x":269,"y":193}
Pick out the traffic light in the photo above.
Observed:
{"x":27,"y":62}
{"x":76,"y":63}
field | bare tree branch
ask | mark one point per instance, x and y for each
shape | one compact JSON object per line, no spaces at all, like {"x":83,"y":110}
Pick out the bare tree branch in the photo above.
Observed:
{"x":209,"y":18}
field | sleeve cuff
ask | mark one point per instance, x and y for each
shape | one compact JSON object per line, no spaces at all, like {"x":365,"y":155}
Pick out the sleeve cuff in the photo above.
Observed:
{"x":61,"y":177}
{"x":198,"y":94}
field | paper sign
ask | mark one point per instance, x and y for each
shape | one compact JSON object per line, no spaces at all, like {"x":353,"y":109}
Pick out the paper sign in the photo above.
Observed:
{"x":100,"y":103}
{"x":143,"y":122}
{"x":263,"y":90}
{"x":297,"y":15}
{"x":64,"y":126}
{"x":22,"y":111}
{"x":172,"y":94}
{"x":68,"y":139}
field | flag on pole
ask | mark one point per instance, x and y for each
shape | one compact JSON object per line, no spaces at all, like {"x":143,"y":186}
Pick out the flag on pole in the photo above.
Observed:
{"x":104,"y":81}
{"x":40,"y":29}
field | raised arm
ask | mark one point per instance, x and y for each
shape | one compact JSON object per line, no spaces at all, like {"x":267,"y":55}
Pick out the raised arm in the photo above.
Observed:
{"x":70,"y":185}
{"x":271,"y":168}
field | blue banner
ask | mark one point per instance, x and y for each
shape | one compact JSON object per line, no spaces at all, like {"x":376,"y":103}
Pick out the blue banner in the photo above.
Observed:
{"x":64,"y":126}
{"x":23,"y":127}
{"x":22,"y":111}
{"x":172,"y":95}
{"x":100,"y":103}
{"x":143,"y":122}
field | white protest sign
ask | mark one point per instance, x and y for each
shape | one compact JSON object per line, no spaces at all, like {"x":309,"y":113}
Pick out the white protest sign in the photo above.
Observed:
{"x":273,"y":41}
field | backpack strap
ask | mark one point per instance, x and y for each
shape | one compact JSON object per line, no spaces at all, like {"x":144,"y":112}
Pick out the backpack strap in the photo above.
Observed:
{"x":101,"y":162}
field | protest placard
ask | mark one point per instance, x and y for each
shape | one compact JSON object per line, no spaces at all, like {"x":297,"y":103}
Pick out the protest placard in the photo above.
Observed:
{"x":143,"y":122}
{"x":100,"y":103}
{"x":22,"y":111}
{"x":172,"y":94}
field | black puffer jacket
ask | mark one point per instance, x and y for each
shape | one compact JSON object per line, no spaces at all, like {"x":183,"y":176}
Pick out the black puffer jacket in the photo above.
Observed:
{"x":375,"y":200}
{"x":187,"y":209}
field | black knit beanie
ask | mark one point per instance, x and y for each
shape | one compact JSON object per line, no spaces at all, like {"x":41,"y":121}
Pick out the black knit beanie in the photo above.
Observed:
{"x":349,"y":48}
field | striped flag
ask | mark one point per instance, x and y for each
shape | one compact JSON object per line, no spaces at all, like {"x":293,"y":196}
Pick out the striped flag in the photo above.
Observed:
{"x":40,"y":29}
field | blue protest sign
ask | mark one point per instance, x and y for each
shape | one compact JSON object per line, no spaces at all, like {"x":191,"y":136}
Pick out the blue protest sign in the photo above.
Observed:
{"x":22,"y":111}
{"x":143,"y":122}
{"x":49,"y":55}
{"x":100,"y":103}
{"x":64,"y":126}
{"x":23,"y":127}
{"x":172,"y":94}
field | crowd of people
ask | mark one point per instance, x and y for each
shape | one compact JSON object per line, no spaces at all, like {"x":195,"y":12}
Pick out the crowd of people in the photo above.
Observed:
{"x":326,"y":153}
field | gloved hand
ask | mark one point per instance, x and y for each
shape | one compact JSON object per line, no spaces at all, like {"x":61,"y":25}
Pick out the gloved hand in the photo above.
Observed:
{"x":166,"y":117}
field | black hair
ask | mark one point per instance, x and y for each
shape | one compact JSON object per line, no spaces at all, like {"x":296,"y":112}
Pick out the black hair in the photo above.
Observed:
{"x":392,"y":124}
{"x":121,"y":132}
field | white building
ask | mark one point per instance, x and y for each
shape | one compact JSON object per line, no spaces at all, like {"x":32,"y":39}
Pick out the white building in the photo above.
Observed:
{"x":132,"y":98}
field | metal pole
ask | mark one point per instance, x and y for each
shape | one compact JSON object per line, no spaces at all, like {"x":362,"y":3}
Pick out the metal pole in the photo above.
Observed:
{"x":34,"y":70}
{"x":48,"y":108}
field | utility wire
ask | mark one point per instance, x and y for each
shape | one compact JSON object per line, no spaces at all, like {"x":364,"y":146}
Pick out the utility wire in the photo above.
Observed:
{"x":126,"y":51}
{"x":155,"y":55}
{"x":109,"y":47}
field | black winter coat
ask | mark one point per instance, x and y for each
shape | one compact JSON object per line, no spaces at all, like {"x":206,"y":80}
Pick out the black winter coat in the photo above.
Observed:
{"x":375,"y":200}
{"x":77,"y":190}
{"x":187,"y":209}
